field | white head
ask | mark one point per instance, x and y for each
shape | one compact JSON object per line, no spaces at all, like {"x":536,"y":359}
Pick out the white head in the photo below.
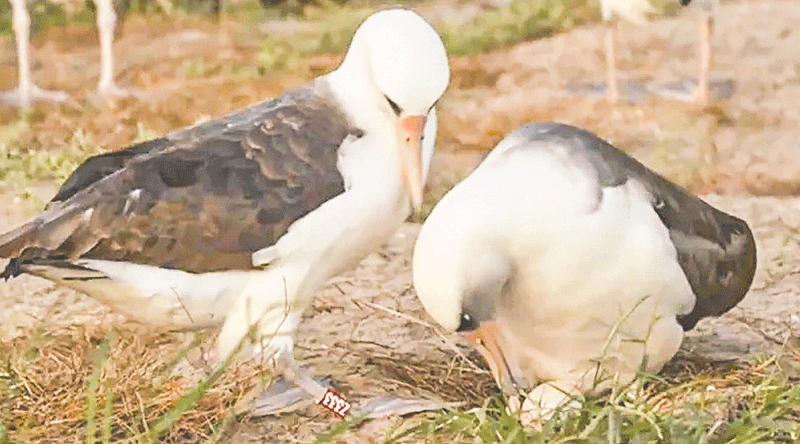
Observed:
{"x":464,"y":278}
{"x":395,"y":71}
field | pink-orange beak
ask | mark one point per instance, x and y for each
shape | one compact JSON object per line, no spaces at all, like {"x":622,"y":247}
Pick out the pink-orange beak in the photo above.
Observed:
{"x":488,"y":339}
{"x":410,"y":146}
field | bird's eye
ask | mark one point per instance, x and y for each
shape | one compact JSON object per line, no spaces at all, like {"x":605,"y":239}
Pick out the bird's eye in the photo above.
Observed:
{"x":395,"y":107}
{"x":467,"y":323}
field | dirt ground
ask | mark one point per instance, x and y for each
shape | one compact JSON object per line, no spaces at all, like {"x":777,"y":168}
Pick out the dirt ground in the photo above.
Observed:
{"x":742,"y":154}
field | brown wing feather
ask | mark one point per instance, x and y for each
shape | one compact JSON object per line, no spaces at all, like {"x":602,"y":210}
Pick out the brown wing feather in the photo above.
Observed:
{"x":98,"y":167}
{"x":217,"y":193}
{"x":716,"y":251}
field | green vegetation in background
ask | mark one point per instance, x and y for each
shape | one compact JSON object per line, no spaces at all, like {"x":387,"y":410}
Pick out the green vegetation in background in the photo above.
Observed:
{"x":329,"y":30}
{"x":19,"y":167}
{"x":519,"y":21}
{"x":323,"y":31}
{"x":326,"y":27}
{"x":523,"y":20}
{"x":46,"y":14}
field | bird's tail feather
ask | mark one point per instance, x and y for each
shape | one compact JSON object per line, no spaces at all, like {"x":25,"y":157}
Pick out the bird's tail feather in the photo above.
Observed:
{"x":59,"y":270}
{"x":46,"y":232}
{"x":13,"y":242}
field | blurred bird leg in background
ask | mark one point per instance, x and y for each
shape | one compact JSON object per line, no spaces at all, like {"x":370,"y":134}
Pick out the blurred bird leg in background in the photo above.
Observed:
{"x":106,"y":21}
{"x":26,"y":91}
{"x":702,"y":94}
{"x":634,"y":11}
{"x":705,"y":23}
{"x":611,"y":63}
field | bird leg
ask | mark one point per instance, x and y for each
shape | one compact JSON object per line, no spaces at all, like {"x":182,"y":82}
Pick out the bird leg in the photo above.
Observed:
{"x":286,"y":366}
{"x":611,"y":65}
{"x":292,"y":390}
{"x":702,"y":94}
{"x":26,"y":91}
{"x":296,"y":389}
{"x":22,"y":28}
{"x":106,"y":21}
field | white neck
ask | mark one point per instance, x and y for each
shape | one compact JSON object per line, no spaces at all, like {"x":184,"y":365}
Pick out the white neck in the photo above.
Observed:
{"x":353,"y":87}
{"x":375,"y":202}
{"x":343,"y":230}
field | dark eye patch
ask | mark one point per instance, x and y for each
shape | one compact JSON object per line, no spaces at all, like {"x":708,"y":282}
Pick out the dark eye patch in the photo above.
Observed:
{"x":467,"y":323}
{"x":395,"y":107}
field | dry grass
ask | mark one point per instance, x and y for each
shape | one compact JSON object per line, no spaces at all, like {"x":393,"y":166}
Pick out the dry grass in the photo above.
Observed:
{"x":68,"y":382}
{"x":74,"y":384}
{"x":453,"y":382}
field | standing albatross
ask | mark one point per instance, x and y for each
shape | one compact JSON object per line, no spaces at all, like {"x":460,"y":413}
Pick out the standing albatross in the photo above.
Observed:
{"x":238,"y":221}
{"x":570,"y":264}
{"x":636,"y":11}
{"x":26,"y":91}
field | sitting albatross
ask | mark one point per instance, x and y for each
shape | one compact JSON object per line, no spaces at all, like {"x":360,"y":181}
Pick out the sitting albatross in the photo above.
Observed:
{"x":238,"y":221}
{"x":568,"y":262}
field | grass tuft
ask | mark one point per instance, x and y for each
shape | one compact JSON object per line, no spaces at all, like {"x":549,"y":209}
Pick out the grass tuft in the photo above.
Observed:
{"x":690,"y":402}
{"x":77,"y":385}
{"x":20,"y":166}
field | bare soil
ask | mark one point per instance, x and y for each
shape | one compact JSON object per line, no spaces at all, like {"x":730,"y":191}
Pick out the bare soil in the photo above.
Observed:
{"x":366,"y":328}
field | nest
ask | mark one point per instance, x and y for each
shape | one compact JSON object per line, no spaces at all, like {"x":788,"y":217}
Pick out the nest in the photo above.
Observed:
{"x":121,"y":385}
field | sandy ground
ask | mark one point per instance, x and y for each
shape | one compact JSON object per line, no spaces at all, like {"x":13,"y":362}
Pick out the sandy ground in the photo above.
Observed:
{"x":744,"y":150}
{"x":745,"y":144}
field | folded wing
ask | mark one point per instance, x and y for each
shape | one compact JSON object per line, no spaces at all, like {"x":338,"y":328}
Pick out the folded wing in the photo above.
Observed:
{"x":202,"y":199}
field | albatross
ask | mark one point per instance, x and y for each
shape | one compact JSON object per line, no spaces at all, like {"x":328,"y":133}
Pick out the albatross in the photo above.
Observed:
{"x":27,"y":92}
{"x":636,"y":11}
{"x":236,"y":222}
{"x":570,"y":265}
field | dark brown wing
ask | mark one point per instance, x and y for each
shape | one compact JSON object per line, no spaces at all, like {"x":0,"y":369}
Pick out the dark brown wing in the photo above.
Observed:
{"x":202,"y":199}
{"x":716,"y":251}
{"x":98,"y":167}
